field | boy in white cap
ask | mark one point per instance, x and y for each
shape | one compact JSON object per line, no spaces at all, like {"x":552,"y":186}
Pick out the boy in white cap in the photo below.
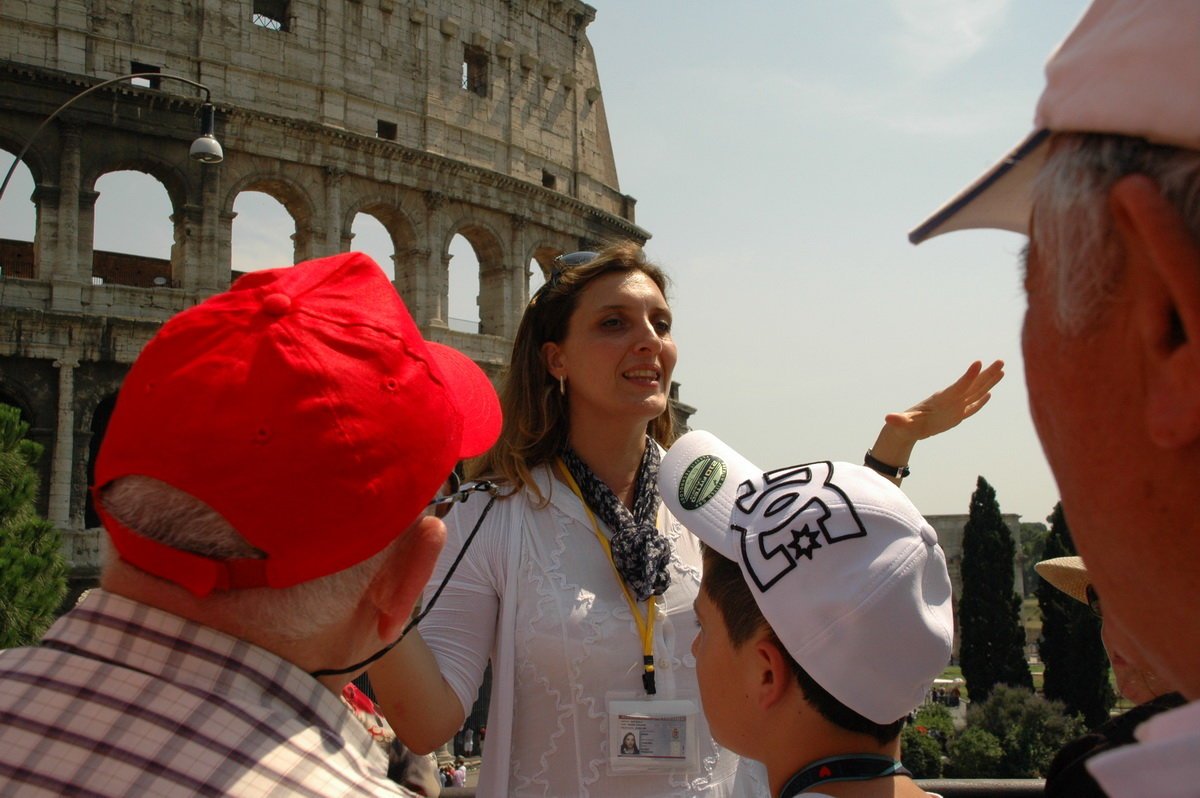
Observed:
{"x":824,"y":615}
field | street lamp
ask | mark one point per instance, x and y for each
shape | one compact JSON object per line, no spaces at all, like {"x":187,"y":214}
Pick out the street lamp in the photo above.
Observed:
{"x":205,"y":149}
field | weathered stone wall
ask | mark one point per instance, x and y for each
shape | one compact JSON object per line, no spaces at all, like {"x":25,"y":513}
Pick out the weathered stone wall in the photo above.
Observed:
{"x":520,"y":164}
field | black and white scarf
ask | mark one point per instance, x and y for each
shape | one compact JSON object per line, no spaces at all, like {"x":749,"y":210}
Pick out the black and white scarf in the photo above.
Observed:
{"x":640,"y":553}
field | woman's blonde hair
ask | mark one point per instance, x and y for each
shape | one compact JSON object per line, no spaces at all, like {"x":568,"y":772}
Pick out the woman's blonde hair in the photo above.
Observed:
{"x":535,"y":411}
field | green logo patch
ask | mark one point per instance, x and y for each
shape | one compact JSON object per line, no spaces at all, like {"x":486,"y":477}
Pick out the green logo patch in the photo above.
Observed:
{"x":701,"y":480}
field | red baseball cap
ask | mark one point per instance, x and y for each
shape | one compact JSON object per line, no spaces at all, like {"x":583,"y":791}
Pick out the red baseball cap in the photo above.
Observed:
{"x":305,"y":408}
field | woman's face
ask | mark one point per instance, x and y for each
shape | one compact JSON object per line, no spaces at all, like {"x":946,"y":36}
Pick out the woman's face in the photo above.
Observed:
{"x":618,"y":354}
{"x":628,"y":741}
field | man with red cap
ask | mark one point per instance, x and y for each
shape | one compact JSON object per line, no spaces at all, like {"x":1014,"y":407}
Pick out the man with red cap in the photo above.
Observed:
{"x":263,"y":482}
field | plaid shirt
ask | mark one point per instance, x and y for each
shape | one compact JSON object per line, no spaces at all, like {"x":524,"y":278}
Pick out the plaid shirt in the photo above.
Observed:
{"x":124,"y":699}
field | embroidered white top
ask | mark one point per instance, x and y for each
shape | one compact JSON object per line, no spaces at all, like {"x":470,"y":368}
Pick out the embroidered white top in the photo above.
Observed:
{"x":545,"y":604}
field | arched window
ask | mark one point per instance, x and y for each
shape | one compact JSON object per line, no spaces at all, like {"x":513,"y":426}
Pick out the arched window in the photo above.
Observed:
{"x":371,"y":237}
{"x":18,"y":218}
{"x":132,"y":231}
{"x":463,"y":307}
{"x":262,"y":234}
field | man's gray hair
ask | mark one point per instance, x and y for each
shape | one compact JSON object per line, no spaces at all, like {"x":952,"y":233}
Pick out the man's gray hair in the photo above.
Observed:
{"x":1074,"y":233}
{"x":162,"y":513}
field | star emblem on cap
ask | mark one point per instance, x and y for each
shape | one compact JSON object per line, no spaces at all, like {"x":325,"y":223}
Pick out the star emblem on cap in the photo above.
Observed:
{"x":804,"y":550}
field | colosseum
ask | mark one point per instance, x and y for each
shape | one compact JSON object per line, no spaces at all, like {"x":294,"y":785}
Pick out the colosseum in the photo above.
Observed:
{"x":438,"y":118}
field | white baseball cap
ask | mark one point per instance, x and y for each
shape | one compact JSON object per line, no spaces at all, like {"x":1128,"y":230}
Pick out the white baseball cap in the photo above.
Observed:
{"x":844,"y":568}
{"x":1129,"y":67}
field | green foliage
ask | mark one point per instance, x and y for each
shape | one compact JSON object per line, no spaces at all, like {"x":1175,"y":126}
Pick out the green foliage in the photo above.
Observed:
{"x":921,"y":752}
{"x":1033,"y":542}
{"x":989,"y":612}
{"x":923,"y":741}
{"x":1077,"y":668}
{"x":33,"y":575}
{"x":975,"y":754}
{"x":1028,"y":729}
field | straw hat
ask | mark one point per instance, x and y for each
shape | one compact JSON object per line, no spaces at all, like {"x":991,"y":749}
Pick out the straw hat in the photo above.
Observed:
{"x":1068,"y":574}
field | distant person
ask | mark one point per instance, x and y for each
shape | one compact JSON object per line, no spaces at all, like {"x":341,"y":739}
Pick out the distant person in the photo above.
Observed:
{"x":1107,"y":187}
{"x":460,"y":773}
{"x":1136,"y":681}
{"x":824,"y":614}
{"x":263,"y":484}
{"x":579,"y":586}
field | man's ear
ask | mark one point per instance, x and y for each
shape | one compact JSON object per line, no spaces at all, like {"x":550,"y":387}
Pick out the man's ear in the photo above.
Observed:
{"x":1162,"y":263}
{"x":775,"y":678}
{"x":395,"y":589}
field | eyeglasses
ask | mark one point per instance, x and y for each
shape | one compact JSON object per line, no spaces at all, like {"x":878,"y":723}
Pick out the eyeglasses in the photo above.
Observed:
{"x":562,"y":264}
{"x":1093,"y":601}
{"x":459,"y":492}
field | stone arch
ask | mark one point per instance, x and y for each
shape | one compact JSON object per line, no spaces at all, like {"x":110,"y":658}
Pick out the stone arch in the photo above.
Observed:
{"x":129,"y":269}
{"x":14,"y":395}
{"x":37,"y":158}
{"x":169,"y":175}
{"x":295,"y":199}
{"x":23,"y":259}
{"x":494,"y":282}
{"x":542,"y":254}
{"x":395,"y":220}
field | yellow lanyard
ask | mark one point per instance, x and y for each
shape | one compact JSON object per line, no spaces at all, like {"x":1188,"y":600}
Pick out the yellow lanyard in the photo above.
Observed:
{"x":645,"y":625}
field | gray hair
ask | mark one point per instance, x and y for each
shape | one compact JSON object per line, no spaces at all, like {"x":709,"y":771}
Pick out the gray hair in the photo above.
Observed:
{"x":1076,"y":240}
{"x":162,"y":513}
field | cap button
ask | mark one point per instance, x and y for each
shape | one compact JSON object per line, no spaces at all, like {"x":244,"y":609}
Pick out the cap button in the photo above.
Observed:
{"x":277,"y":304}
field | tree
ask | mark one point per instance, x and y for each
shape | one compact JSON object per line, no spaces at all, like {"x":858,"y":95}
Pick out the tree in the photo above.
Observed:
{"x":975,"y":754}
{"x":989,"y":612}
{"x":920,"y":753}
{"x":923,"y":741}
{"x":1028,"y":729}
{"x":33,"y":573}
{"x":1071,"y":646}
{"x":1033,"y":543}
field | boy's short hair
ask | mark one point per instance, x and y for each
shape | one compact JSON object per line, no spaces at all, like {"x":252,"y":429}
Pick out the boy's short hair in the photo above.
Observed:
{"x":838,"y":562}
{"x":729,"y":593}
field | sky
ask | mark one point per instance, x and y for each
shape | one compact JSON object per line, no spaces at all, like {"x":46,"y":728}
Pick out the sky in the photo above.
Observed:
{"x":779,"y":152}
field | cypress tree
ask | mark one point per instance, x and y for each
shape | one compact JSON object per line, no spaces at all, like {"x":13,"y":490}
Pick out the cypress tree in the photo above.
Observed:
{"x":1070,"y":646}
{"x":33,"y":574}
{"x":989,"y":612}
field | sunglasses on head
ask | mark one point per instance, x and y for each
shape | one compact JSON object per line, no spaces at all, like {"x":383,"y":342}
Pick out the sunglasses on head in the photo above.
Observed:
{"x":563,"y":264}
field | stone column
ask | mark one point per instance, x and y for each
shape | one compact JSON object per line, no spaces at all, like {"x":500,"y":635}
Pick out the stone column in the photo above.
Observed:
{"x":66,"y":259}
{"x":62,"y":461}
{"x":333,"y":211}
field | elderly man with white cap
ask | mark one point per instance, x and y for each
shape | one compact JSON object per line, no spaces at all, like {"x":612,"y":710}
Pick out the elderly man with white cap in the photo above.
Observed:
{"x":1107,"y":188}
{"x":264,"y":482}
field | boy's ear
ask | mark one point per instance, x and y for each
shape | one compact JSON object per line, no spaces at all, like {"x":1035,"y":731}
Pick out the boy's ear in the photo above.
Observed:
{"x":775,"y":677}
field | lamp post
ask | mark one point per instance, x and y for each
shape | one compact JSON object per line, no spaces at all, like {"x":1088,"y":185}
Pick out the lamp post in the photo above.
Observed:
{"x":205,"y":149}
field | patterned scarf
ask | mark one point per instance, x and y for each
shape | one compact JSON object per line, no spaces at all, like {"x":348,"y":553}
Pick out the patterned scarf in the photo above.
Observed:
{"x":640,"y":553}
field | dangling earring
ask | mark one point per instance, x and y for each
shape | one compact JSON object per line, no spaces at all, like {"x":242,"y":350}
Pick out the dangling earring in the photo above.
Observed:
{"x":562,"y":384}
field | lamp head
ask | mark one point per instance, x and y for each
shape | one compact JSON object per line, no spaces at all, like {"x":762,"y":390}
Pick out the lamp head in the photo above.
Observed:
{"x":206,"y":149}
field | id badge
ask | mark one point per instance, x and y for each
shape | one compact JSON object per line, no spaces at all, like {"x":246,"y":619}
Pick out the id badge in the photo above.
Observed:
{"x":652,"y":735}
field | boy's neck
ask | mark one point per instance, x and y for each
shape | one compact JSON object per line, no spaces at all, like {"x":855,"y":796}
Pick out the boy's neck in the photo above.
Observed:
{"x":820,"y":740}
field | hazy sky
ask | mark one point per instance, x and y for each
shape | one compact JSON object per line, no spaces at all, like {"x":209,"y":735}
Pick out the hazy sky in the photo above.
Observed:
{"x":780,"y":151}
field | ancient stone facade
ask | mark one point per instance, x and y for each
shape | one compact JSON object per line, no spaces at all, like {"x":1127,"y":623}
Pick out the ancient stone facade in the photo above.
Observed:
{"x":480,"y":118}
